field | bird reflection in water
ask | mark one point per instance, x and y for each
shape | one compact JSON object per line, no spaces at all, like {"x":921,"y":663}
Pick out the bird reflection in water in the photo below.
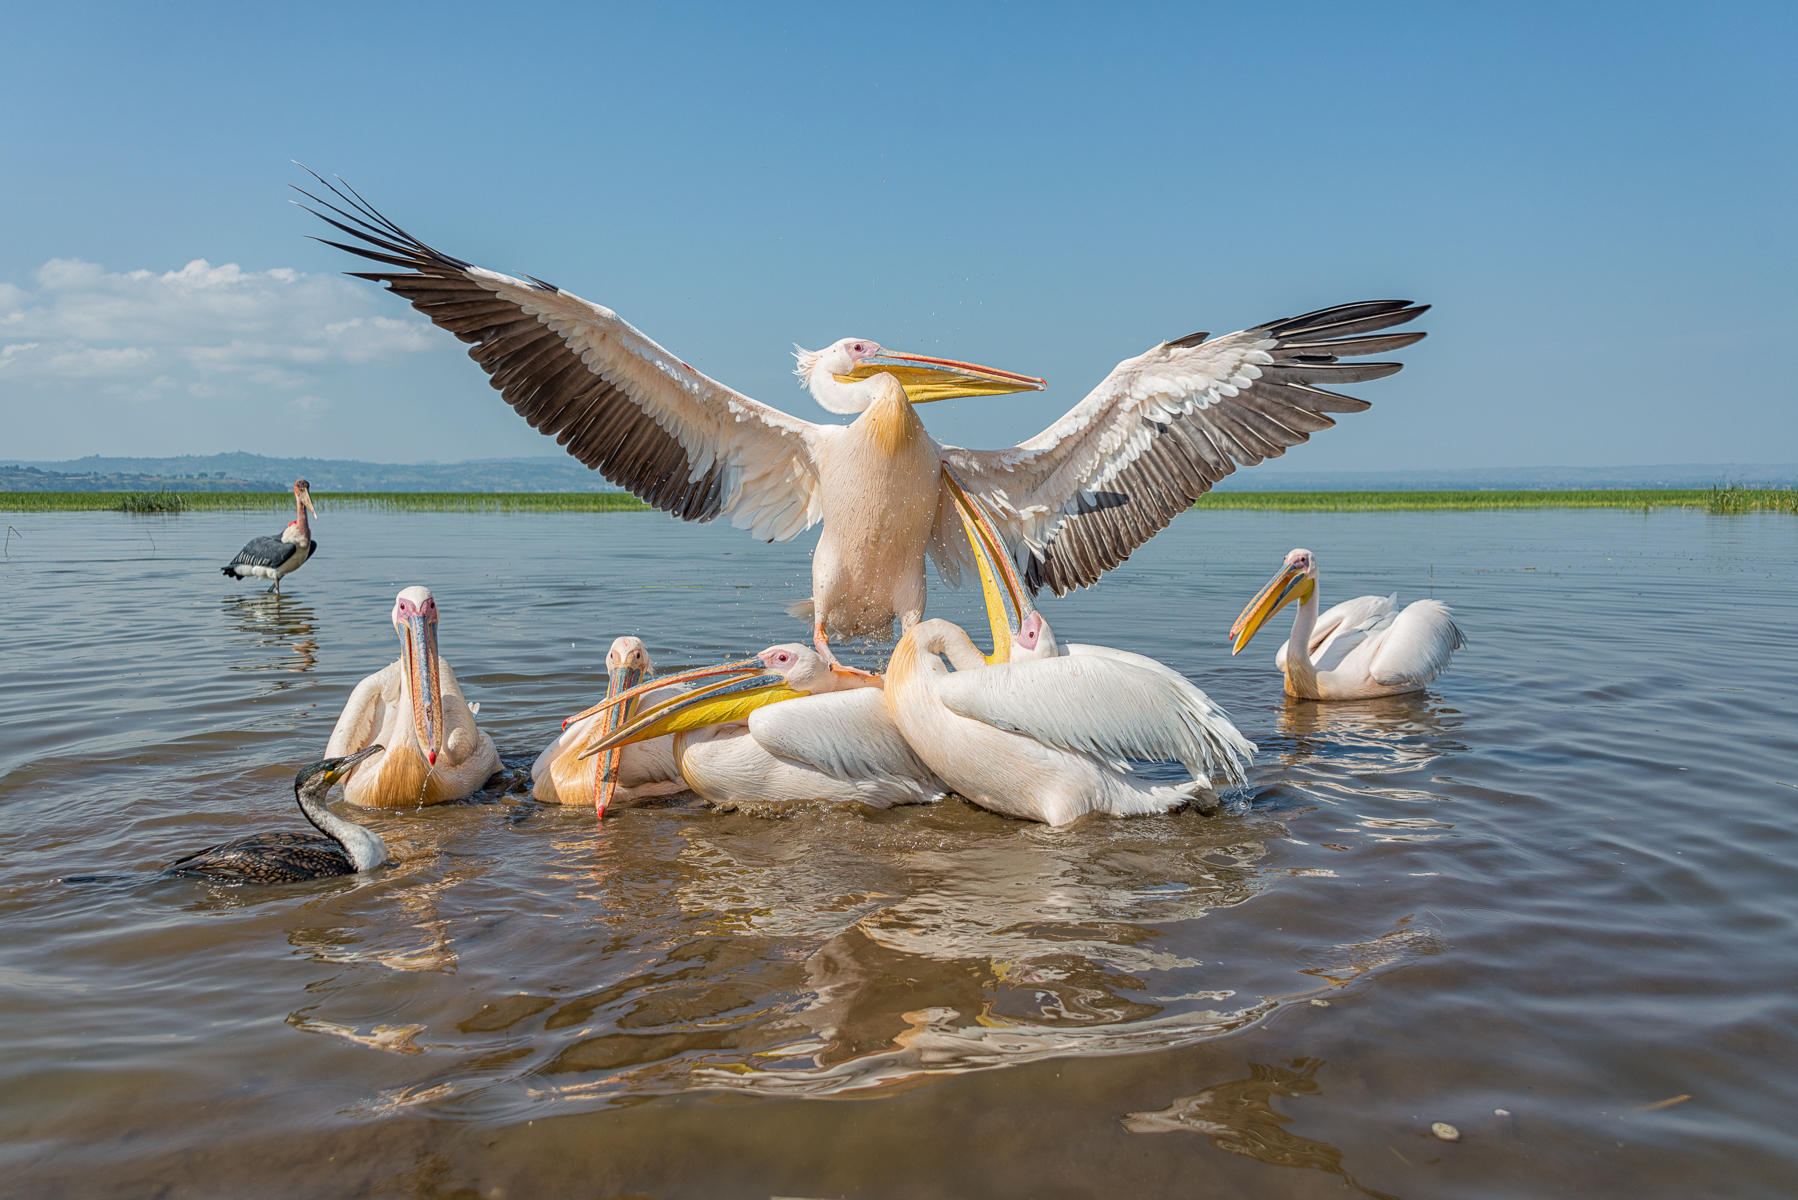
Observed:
{"x":1392,"y":721}
{"x":1363,"y":755}
{"x":285,"y":630}
{"x":937,"y":956}
{"x":1239,"y":1118}
{"x":1372,"y":739}
{"x":422,"y":941}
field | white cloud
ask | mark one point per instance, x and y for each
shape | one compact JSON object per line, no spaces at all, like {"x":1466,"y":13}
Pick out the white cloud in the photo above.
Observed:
{"x":275,"y":328}
{"x":15,"y":350}
{"x":209,"y":357}
{"x":75,"y":361}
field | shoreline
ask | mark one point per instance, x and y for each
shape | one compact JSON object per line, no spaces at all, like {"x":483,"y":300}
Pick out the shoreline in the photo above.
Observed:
{"x":1715,"y":500}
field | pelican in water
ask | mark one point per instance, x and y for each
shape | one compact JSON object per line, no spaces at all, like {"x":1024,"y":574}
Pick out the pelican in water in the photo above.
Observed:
{"x":1071,"y":503}
{"x":1043,"y":732}
{"x":278,"y":557}
{"x":345,"y":849}
{"x":786,"y":727}
{"x":1049,"y":739}
{"x":1028,"y":730}
{"x":414,"y":707}
{"x":1360,"y":649}
{"x":641,"y":771}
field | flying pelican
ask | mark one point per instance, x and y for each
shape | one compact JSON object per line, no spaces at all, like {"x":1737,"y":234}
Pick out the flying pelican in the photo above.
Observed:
{"x":786,"y":727}
{"x":1360,"y":649}
{"x":415,"y":708}
{"x":345,"y":849}
{"x":277,"y":557}
{"x":637,"y":772}
{"x":1072,"y":502}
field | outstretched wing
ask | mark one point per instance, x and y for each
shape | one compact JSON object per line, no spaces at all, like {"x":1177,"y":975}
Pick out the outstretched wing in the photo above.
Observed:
{"x":1163,"y":427}
{"x":846,"y":735}
{"x":612,"y":397}
{"x":264,"y":552}
{"x":1105,"y":707}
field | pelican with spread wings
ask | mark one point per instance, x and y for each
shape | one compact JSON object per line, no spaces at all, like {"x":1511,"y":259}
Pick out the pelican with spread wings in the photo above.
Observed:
{"x":1071,"y":503}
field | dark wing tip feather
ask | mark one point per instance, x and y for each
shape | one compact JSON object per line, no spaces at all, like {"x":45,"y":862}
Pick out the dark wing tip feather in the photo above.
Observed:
{"x":1188,"y":454}
{"x":534,"y":368}
{"x":1358,"y":310}
{"x":369,"y":224}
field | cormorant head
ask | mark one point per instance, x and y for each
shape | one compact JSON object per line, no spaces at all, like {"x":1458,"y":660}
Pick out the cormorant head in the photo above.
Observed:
{"x":319,"y":778}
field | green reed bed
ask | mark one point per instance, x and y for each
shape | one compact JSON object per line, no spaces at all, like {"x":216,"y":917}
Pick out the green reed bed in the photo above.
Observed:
{"x":1716,"y":500}
{"x":278,"y":501}
{"x":164,"y":501}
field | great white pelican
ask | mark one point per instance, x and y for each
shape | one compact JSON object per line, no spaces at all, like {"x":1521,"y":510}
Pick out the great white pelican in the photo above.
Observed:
{"x":782,"y":728}
{"x":414,"y":707}
{"x":641,"y":771}
{"x":1025,"y":731}
{"x":1039,"y":731}
{"x":1070,"y":503}
{"x":1360,"y":649}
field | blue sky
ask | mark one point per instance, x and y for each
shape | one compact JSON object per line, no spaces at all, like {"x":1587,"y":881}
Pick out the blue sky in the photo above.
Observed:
{"x":1599,"y":200}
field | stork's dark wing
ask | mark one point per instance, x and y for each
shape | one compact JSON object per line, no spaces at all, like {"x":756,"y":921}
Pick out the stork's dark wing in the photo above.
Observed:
{"x":1162,"y":428}
{"x":263,"y":552}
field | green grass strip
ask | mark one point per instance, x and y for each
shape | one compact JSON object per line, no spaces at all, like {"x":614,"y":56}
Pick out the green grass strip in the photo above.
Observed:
{"x":1715,"y":500}
{"x":147,"y":502}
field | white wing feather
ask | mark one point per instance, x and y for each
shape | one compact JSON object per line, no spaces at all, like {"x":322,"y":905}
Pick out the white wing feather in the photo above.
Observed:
{"x":363,"y":714}
{"x":1343,"y":629}
{"x":1106,"y":707}
{"x":1417,"y":646}
{"x":846,"y":735}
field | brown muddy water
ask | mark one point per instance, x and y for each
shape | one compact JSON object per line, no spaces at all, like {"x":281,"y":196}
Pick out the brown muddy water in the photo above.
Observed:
{"x":1549,"y":902}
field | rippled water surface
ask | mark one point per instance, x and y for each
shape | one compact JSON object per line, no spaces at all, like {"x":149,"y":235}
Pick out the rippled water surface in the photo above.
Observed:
{"x":1551,"y":901}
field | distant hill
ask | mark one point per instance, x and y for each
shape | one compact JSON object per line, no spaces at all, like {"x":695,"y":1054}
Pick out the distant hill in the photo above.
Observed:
{"x":257,"y":473}
{"x":558,"y":473}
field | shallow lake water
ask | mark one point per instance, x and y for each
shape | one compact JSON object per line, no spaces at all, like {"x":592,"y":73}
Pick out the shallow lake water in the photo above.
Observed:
{"x":1551,"y":901}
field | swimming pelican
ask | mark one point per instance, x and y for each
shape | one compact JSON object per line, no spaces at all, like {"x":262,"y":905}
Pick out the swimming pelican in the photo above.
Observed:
{"x":415,"y":708}
{"x":1072,"y":502}
{"x":277,"y":557}
{"x":345,"y":849}
{"x":639,"y":771}
{"x":1048,"y":740}
{"x":787,"y":727}
{"x":1360,"y":649}
{"x":1036,"y":731}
